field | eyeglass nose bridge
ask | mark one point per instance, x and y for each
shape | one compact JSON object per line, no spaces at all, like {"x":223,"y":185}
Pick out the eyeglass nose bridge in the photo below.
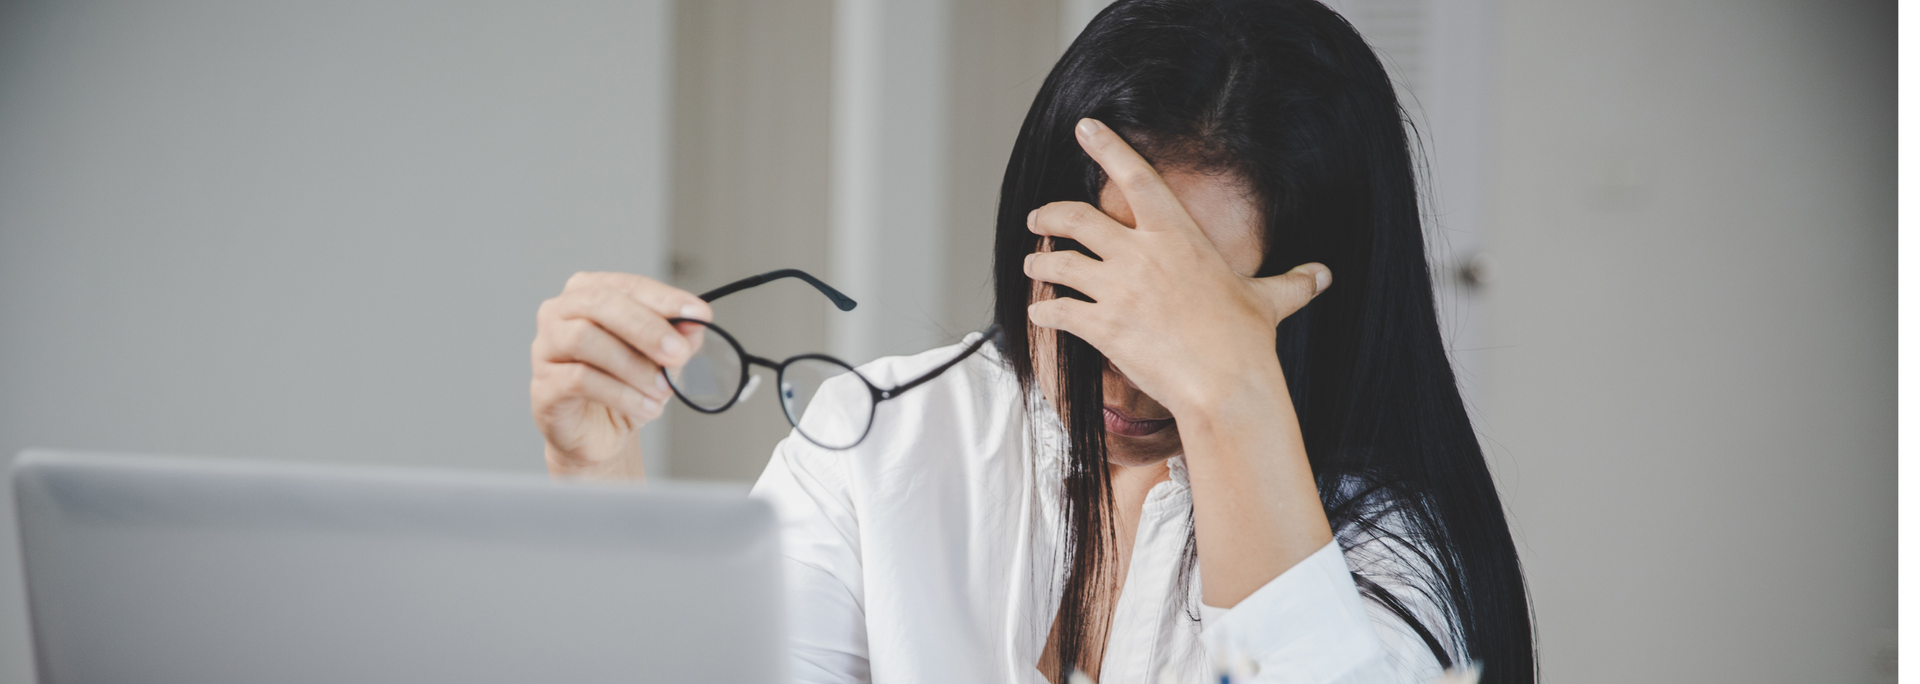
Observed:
{"x":746,"y":391}
{"x":761,"y":361}
{"x":752,"y":381}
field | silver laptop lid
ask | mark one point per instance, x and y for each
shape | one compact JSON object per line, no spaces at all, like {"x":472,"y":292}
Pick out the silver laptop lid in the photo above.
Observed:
{"x":150,"y":569}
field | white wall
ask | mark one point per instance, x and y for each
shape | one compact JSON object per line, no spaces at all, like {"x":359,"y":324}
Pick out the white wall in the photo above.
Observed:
{"x":890,"y":174}
{"x":312,"y":231}
{"x":1689,"y":397}
{"x":1002,"y":51}
{"x":751,"y":161}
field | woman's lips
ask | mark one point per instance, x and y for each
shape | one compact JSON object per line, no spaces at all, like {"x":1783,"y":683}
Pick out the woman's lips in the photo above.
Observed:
{"x":1120,"y":424}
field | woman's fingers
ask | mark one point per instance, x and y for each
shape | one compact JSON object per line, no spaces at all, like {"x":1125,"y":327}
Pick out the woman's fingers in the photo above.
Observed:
{"x":695,"y":333}
{"x":1077,"y":221}
{"x":636,"y":324}
{"x":597,"y":293}
{"x":1154,"y":205}
{"x":581,"y":341}
{"x":1072,"y":315}
{"x":557,"y":386}
{"x":1290,"y":291}
{"x":664,"y":299}
{"x":1069,"y":268}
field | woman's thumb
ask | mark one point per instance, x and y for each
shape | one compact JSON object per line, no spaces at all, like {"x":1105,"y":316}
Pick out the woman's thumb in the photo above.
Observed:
{"x":1291,"y":290}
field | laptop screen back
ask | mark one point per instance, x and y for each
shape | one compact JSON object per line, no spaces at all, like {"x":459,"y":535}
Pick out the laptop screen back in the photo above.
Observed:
{"x":150,"y":569}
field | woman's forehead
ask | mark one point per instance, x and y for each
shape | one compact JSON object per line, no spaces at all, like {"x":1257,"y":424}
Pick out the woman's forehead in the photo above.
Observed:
{"x":1224,"y":205}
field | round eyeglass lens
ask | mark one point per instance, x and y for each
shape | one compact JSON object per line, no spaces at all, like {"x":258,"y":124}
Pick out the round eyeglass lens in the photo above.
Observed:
{"x":826,"y":402}
{"x":709,"y":380}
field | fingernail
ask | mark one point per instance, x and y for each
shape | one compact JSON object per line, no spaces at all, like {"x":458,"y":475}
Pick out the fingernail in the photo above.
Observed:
{"x":690,"y":311}
{"x":671,"y":345}
{"x":660,"y":382}
{"x":1028,"y":264}
{"x":1087,"y":127}
{"x":1030,"y":218}
{"x":1321,"y":279}
{"x":648,"y":406}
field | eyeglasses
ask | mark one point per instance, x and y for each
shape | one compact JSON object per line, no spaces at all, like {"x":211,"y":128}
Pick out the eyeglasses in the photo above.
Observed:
{"x":825,"y":399}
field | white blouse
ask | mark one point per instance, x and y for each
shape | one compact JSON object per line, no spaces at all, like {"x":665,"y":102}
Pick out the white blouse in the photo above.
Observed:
{"x":932,"y":552}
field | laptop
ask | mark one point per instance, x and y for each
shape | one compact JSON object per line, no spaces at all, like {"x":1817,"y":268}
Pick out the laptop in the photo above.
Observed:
{"x":151,"y":569}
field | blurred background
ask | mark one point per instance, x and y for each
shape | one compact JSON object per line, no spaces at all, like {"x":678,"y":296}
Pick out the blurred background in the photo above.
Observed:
{"x":1663,"y":234}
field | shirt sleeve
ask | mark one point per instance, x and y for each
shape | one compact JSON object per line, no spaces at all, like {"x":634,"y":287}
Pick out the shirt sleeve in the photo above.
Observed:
{"x":826,"y":620}
{"x":1310,"y":625}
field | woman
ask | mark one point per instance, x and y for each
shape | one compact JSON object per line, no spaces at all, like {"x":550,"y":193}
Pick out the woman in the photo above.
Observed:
{"x":1189,"y":448}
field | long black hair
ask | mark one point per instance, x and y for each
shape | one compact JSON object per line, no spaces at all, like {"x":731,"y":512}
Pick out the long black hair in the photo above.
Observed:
{"x":1286,"y":94}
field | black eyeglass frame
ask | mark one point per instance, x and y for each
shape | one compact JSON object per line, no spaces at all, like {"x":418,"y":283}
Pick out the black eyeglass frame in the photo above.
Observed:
{"x":747,"y":361}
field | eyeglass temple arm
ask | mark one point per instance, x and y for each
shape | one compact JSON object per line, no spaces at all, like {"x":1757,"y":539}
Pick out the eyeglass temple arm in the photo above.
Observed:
{"x":844,"y":302}
{"x":985,"y":337}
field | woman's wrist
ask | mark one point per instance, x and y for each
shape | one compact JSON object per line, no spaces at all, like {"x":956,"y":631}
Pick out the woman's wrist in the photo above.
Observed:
{"x":1232,"y":395}
{"x":624,"y":465}
{"x":1256,"y":506}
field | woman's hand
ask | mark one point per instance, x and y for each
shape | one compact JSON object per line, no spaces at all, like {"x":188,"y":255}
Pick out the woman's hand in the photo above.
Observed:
{"x":1198,"y":337}
{"x":597,"y":360}
{"x":1168,"y":310}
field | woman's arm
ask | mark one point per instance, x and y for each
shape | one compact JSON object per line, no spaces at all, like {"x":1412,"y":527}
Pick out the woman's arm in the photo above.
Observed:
{"x":1170,"y":313}
{"x":1256,"y":511}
